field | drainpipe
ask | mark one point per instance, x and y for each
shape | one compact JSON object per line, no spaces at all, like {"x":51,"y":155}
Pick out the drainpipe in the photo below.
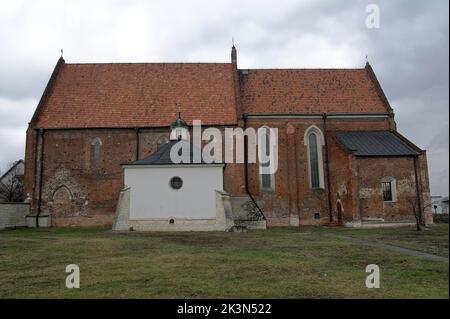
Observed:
{"x":41,"y":169}
{"x":327,"y":165}
{"x":419,"y":198}
{"x":244,"y":117}
{"x":137,"y":143}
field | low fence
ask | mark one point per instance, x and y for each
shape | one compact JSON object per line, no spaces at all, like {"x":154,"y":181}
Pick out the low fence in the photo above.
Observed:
{"x":440,"y":218}
{"x":13,"y":214}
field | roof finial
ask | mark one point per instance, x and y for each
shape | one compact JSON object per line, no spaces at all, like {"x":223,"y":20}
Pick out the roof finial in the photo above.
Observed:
{"x":232,"y":41}
{"x":367,"y":58}
{"x":178,"y":110}
{"x":62,"y":52}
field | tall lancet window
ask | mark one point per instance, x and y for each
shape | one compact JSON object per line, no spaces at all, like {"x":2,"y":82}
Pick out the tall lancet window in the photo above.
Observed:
{"x":266,"y":179}
{"x":95,"y":149}
{"x":314,"y":141}
{"x":314,"y":161}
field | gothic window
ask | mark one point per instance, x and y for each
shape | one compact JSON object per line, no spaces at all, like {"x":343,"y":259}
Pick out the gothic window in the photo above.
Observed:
{"x":95,"y":149}
{"x":266,"y":179}
{"x":314,"y":141}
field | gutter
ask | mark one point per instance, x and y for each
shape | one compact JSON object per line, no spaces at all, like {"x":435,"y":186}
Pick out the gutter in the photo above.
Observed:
{"x":327,"y":166}
{"x":247,"y":190}
{"x":335,"y":115}
{"x":137,"y":142}
{"x":164,"y":127}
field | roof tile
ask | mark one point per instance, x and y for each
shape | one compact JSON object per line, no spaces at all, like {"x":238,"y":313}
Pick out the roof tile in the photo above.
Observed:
{"x":139,"y":94}
{"x":309,"y":91}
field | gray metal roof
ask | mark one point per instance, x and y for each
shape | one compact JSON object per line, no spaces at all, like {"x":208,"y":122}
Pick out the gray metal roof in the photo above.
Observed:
{"x":375,"y":143}
{"x":162,"y":156}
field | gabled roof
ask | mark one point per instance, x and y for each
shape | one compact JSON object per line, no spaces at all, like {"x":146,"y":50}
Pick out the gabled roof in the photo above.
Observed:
{"x":138,"y":94}
{"x":111,"y":95}
{"x":311,"y":91}
{"x":12,"y":168}
{"x":375,"y":143}
{"x":162,"y":156}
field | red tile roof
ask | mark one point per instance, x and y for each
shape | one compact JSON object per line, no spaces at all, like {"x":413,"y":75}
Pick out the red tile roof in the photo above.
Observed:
{"x":310,"y":91}
{"x":135,"y":94}
{"x":147,"y":94}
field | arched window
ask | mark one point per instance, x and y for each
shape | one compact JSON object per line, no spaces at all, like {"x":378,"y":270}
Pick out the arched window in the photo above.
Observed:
{"x":314,"y":141}
{"x":266,"y":178}
{"x":162,"y":140}
{"x":95,"y":149}
{"x":389,"y":189}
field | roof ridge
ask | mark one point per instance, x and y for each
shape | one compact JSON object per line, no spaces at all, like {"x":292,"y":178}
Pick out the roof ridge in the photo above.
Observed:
{"x":303,"y":69}
{"x":148,"y":63}
{"x":13,"y":166}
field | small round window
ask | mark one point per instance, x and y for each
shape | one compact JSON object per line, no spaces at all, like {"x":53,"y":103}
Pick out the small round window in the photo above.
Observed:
{"x":176,"y":182}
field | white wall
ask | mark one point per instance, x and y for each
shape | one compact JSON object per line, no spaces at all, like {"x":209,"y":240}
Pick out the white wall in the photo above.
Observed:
{"x":152,"y":197}
{"x":13,"y":214}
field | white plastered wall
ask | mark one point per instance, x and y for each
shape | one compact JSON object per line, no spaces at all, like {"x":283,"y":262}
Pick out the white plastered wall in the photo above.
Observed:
{"x":151,"y":196}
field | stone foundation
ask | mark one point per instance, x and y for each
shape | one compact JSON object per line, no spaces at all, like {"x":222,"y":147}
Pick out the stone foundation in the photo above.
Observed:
{"x":223,"y":221}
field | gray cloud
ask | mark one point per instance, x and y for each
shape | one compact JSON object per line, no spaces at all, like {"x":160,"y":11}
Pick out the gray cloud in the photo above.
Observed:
{"x":409,"y":52}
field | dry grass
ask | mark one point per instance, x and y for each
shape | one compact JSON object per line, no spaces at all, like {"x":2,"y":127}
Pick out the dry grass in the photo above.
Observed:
{"x":278,"y":263}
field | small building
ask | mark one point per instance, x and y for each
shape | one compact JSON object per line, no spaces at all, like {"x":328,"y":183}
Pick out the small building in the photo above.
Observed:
{"x":439,"y":205}
{"x":11,"y":183}
{"x":162,"y":195}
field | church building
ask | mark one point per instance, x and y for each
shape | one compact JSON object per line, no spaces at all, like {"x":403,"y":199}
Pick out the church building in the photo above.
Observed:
{"x":98,"y":145}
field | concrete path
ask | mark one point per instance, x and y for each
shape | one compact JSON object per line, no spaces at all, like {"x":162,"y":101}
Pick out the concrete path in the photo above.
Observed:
{"x":393,"y":248}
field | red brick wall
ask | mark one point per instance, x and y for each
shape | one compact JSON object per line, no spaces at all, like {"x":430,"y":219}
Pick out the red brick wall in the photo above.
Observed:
{"x":78,"y":192}
{"x":293,"y":195}
{"x":371,"y":171}
{"x":344,"y":183}
{"x":92,"y":187}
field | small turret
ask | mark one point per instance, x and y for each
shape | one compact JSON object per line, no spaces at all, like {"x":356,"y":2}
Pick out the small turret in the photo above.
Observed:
{"x":179,"y":129}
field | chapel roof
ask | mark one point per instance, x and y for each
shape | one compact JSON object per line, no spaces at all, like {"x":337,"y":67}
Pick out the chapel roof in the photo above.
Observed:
{"x":162,"y":156}
{"x":375,"y":143}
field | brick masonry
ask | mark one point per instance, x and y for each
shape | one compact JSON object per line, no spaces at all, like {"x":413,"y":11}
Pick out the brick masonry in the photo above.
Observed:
{"x":79,"y":190}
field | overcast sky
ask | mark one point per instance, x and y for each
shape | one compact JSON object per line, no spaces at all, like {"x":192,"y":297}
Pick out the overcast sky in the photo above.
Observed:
{"x":409,"y":52}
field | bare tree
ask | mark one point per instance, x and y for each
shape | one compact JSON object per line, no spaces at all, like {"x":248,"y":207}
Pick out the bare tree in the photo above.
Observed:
{"x":11,"y":184}
{"x":417,"y":214}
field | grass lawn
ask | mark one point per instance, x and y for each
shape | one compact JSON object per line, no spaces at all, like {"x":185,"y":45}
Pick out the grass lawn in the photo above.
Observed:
{"x":278,"y":263}
{"x":433,"y":240}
